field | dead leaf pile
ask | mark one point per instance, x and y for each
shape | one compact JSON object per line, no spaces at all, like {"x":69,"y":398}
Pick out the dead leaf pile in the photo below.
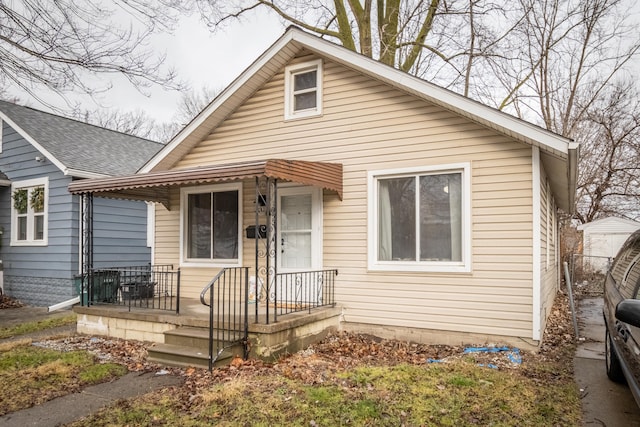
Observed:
{"x":342,"y":351}
{"x":8,"y":302}
{"x":132,"y":354}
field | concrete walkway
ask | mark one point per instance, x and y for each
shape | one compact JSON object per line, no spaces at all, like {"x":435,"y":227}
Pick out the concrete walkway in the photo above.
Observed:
{"x":604,"y":403}
{"x":72,"y":407}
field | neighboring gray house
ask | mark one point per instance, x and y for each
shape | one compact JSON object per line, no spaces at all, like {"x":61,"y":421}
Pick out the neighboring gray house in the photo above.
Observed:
{"x":603,"y":238}
{"x":40,"y":247}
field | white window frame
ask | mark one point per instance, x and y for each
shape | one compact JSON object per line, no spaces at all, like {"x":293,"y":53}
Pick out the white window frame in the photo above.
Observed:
{"x":289,"y":73}
{"x":27,"y":184}
{"x":184,"y":205}
{"x":463,"y":266}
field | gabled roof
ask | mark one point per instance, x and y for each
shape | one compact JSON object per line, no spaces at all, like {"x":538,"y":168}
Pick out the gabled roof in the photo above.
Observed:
{"x":558,"y":154}
{"x":79,"y":149}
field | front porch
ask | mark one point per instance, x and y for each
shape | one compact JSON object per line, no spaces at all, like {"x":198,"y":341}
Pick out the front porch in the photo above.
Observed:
{"x":252,"y":230}
{"x":234,"y":316}
{"x":182,"y":338}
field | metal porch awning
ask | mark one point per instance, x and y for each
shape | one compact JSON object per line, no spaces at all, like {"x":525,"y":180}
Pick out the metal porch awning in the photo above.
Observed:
{"x":154,"y":186}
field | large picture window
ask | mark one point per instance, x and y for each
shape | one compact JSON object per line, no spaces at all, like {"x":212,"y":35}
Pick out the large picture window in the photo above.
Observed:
{"x":29,"y":202}
{"x":211,"y":226}
{"x":420,"y":219}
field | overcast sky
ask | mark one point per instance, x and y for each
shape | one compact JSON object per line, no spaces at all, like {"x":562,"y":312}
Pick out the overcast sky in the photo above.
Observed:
{"x":202,"y":59}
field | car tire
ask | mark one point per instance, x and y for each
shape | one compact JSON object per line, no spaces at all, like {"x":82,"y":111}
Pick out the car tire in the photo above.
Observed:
{"x":614,"y":369}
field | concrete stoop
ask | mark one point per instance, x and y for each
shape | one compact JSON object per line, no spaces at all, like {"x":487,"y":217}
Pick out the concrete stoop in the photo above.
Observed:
{"x":182,"y":340}
{"x":189,"y":346}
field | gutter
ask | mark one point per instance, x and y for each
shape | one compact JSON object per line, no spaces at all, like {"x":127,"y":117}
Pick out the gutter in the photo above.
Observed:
{"x":572,"y":173}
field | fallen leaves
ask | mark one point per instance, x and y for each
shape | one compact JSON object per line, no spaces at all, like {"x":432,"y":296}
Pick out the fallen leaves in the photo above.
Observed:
{"x":8,"y":302}
{"x":321,"y":363}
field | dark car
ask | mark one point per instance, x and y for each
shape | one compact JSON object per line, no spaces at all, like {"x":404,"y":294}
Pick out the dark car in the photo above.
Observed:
{"x":622,"y":316}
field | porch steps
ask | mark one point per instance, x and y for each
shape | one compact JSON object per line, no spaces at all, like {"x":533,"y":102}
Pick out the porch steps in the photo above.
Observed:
{"x":189,"y":346}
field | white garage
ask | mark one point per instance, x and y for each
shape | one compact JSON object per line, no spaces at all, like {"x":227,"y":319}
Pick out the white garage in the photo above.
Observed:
{"x":601,"y":239}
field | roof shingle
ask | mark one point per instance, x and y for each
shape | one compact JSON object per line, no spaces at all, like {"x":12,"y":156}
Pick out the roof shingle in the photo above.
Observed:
{"x":80,"y":146}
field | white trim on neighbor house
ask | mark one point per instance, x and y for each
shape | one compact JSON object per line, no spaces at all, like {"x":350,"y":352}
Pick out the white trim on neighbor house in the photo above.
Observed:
{"x":83,"y":174}
{"x":536,"y":240}
{"x":290,"y":113}
{"x":1,"y":133}
{"x":464,"y":266}
{"x":30,"y":241}
{"x":64,"y":169}
{"x":33,"y":142}
{"x":194,"y":262}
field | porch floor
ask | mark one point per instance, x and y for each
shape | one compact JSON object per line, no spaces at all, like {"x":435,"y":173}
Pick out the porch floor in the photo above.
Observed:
{"x":194,"y":314}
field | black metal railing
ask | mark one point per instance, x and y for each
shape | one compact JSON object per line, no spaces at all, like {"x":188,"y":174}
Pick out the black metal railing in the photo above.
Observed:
{"x":227,"y":298}
{"x":304,"y":291}
{"x":147,"y":286}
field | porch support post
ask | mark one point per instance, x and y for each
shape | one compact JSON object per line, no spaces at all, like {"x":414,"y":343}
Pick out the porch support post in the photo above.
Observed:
{"x":272,"y":246}
{"x":86,"y":239}
{"x":257,"y":242}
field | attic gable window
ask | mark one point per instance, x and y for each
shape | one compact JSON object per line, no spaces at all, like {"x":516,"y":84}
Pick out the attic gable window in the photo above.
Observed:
{"x":303,"y":90}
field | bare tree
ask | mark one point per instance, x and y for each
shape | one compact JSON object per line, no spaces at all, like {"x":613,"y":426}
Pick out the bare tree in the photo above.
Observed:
{"x":609,"y":181}
{"x":566,"y":55}
{"x":192,"y":102}
{"x":396,"y":32}
{"x":140,"y":123}
{"x":60,"y":45}
{"x":136,"y":122}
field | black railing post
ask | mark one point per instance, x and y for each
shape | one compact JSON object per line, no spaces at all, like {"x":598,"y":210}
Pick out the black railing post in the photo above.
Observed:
{"x":245,"y":337}
{"x":178,"y":292}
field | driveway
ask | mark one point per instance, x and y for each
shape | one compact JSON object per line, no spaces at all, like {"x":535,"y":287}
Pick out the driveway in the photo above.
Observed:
{"x":604,"y":403}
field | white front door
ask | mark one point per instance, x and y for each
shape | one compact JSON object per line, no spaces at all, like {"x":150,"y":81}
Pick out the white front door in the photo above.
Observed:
{"x":299,"y":229}
{"x":300,"y":244}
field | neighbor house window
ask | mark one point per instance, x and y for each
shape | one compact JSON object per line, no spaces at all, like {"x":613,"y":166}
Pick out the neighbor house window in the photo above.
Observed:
{"x":303,"y":90}
{"x":419,"y":219}
{"x":211,"y":224}
{"x":29,"y":203}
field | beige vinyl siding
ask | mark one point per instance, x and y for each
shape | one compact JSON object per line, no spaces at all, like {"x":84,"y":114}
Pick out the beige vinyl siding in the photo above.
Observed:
{"x":548,"y":264}
{"x":368,"y":126}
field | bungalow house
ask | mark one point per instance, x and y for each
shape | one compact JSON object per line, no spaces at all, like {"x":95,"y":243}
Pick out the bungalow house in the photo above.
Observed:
{"x":41,"y":242}
{"x":438,"y":213}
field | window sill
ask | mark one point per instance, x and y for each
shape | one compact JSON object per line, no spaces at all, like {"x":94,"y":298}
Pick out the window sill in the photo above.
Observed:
{"x":302,"y":115}
{"x":410,"y":268}
{"x":28,"y":243}
{"x":211,"y":263}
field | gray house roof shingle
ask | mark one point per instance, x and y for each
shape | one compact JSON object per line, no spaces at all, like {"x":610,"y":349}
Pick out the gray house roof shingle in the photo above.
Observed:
{"x":79,"y":148}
